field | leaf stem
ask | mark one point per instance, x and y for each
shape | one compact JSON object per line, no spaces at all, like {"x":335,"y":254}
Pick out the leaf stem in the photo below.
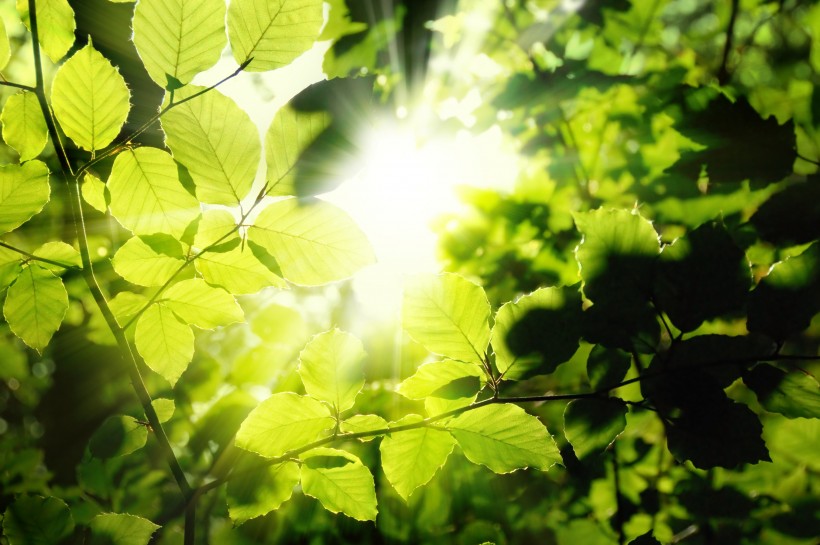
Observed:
{"x":33,"y":257}
{"x":18,"y":85}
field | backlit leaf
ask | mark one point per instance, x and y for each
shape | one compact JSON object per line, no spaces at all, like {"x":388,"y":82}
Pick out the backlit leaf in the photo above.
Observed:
{"x":607,"y":367}
{"x":283,"y":422}
{"x":164,"y":342}
{"x":273,"y":33}
{"x":94,"y":192}
{"x":359,"y":423}
{"x":794,"y":395}
{"x":35,"y":306}
{"x":313,"y":242}
{"x":126,"y":304}
{"x":55,"y":23}
{"x":290,"y":133}
{"x":331,"y":368}
{"x":164,"y":408}
{"x":24,"y":127}
{"x":10,"y":266}
{"x":179,"y":38}
{"x":60,"y":252}
{"x":504,"y":438}
{"x":35,"y":520}
{"x":237,"y":270}
{"x":5,"y":49}
{"x":216,"y":230}
{"x":24,"y":190}
{"x":448,"y":379}
{"x":448,"y":315}
{"x":410,"y":458}
{"x":348,"y":489}
{"x":117,"y":436}
{"x":280,"y":324}
{"x":202,"y":305}
{"x":147,"y":196}
{"x":120,"y":529}
{"x":216,"y":141}
{"x":591,"y":425}
{"x":148,"y":260}
{"x":259,"y":487}
{"x":90,"y":99}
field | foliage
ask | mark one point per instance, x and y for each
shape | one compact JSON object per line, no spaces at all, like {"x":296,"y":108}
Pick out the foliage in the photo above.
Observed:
{"x":622,"y":350}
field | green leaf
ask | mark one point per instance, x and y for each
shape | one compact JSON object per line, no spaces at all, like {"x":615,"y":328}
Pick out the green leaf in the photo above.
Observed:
{"x":591,"y":425}
{"x":332,"y":368}
{"x":35,"y":520}
{"x":537,"y":332}
{"x":24,"y":127}
{"x":273,"y":33}
{"x":794,"y":395}
{"x":791,"y":216}
{"x":238,"y":271}
{"x":216,"y":141}
{"x":90,"y":99}
{"x":702,"y":276}
{"x":504,"y":438}
{"x":179,"y":38}
{"x":201,"y":305}
{"x":10,"y":266}
{"x":94,"y":192}
{"x":35,"y":306}
{"x":55,"y":25}
{"x":164,"y":342}
{"x":289,"y":134}
{"x":216,"y":230}
{"x":313,"y":242}
{"x":120,"y":529}
{"x":149,"y":260}
{"x":147,"y":196}
{"x":785,"y":301}
{"x":164,"y":408}
{"x":5,"y":49}
{"x":607,"y":367}
{"x":359,"y":423}
{"x":410,"y":458}
{"x":117,"y":436}
{"x":258,"y":487}
{"x":449,"y":379}
{"x":283,"y":422}
{"x":280,"y":324}
{"x":348,"y":489}
{"x":448,"y":315}
{"x":24,"y":191}
{"x":60,"y":252}
{"x":126,"y":304}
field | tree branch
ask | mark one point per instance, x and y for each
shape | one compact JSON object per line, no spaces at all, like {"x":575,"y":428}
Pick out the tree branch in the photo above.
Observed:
{"x":18,"y":85}
{"x":723,"y":72}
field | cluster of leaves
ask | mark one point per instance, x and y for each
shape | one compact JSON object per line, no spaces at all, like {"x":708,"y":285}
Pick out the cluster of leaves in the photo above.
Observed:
{"x":665,"y":351}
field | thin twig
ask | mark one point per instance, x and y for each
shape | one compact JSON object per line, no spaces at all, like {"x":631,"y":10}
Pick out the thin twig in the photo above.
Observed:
{"x":18,"y":85}
{"x":33,"y":257}
{"x":723,"y":72}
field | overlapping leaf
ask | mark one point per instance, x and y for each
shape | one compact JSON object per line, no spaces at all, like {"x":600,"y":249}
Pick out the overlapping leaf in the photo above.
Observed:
{"x":179,"y":38}
{"x":238,"y":270}
{"x":120,"y":529}
{"x":35,"y":520}
{"x":289,"y":134}
{"x":346,"y":488}
{"x":24,"y":191}
{"x":204,"y":306}
{"x":273,"y":33}
{"x":216,"y":141}
{"x":259,"y":487}
{"x":24,"y":127}
{"x":591,"y":425}
{"x":164,"y":341}
{"x":331,"y":368}
{"x":55,"y":22}
{"x":149,"y":260}
{"x":35,"y":306}
{"x":90,"y":99}
{"x":117,"y":436}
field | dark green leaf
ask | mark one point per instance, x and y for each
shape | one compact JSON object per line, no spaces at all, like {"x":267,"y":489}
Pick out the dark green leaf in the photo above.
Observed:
{"x":118,"y":436}
{"x":791,"y":216}
{"x":591,"y":425}
{"x":35,"y":520}
{"x":794,"y":395}
{"x":258,"y":487}
{"x":607,"y":367}
{"x":120,"y":529}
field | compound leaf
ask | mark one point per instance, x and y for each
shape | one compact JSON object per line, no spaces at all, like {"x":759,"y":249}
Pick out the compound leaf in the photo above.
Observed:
{"x":24,"y":127}
{"x":504,"y":438}
{"x":121,"y":529}
{"x":35,"y":520}
{"x":24,"y":191}
{"x":35,"y":306}
{"x":148,"y":260}
{"x":179,"y":38}
{"x":259,"y":487}
{"x":55,"y":23}
{"x":202,"y":305}
{"x":410,"y":458}
{"x":147,"y":196}
{"x":273,"y":33}
{"x":90,"y":99}
{"x":331,"y":368}
{"x":283,"y":422}
{"x":347,"y":488}
{"x":216,"y":141}
{"x":164,"y":342}
{"x":448,"y":315}
{"x":313,"y":242}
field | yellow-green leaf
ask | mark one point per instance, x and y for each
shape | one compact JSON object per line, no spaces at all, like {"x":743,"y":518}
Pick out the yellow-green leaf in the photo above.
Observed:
{"x":289,"y":134}
{"x":120,"y":529}
{"x":24,"y":127}
{"x":147,"y":196}
{"x":55,"y":23}
{"x":126,"y":304}
{"x":332,"y":368}
{"x":93,"y":191}
{"x":314,"y":242}
{"x":24,"y":190}
{"x":216,"y":228}
{"x":217,"y":142}
{"x":347,"y":489}
{"x":202,"y":305}
{"x":90,"y":99}
{"x":283,"y":422}
{"x":59,"y":252}
{"x":238,"y":271}
{"x":164,"y":342}
{"x":149,"y":260}
{"x":272,"y":32}
{"x":179,"y":38}
{"x":447,"y":314}
{"x":164,"y":408}
{"x":10,"y":266}
{"x":359,"y":423}
{"x":5,"y":49}
{"x":35,"y":306}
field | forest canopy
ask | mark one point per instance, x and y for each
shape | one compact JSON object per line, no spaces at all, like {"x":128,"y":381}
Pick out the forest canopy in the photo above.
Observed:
{"x":618,"y":344}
